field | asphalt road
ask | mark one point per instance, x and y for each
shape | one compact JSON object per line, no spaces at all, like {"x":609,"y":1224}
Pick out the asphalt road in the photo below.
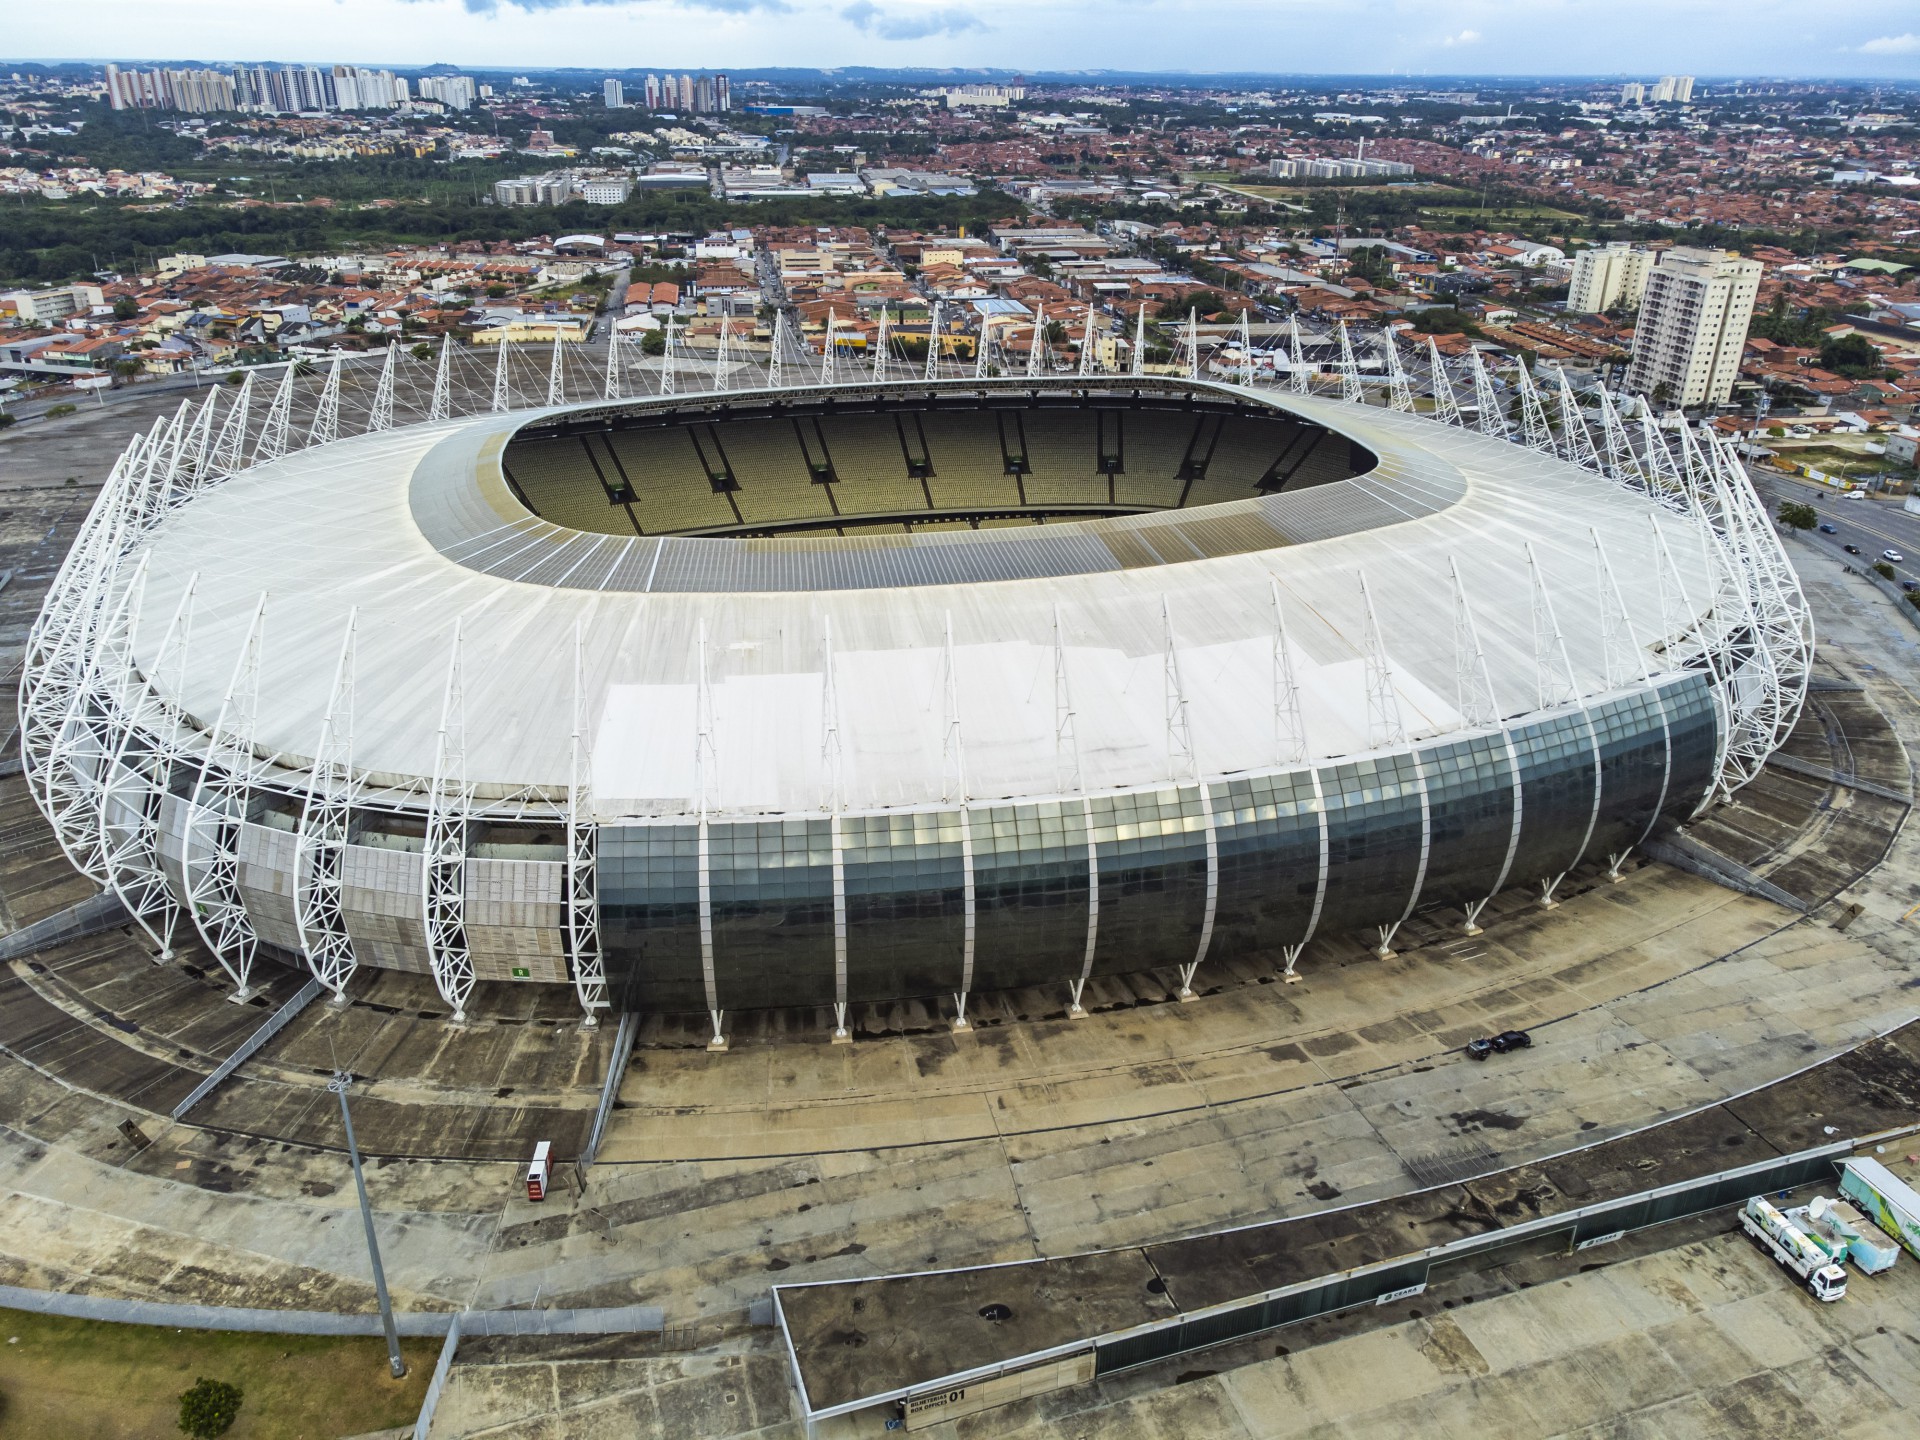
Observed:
{"x":1873,"y":525}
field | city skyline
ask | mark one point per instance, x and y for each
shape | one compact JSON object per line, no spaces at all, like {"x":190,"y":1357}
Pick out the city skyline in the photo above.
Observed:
{"x":1857,"y":39}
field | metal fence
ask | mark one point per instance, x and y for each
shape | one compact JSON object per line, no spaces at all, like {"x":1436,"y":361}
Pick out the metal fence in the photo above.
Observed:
{"x":1199,"y":1330}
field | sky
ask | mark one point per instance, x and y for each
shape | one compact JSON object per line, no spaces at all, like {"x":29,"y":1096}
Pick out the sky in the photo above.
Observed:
{"x":1833,"y":38}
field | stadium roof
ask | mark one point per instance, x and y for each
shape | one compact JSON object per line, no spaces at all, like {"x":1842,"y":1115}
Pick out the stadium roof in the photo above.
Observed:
{"x":405,"y":528}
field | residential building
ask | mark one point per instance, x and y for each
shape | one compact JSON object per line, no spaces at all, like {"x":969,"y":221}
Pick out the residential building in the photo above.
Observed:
{"x":1672,"y":90}
{"x":1693,"y":325}
{"x":605,"y":189}
{"x":1608,"y":275}
{"x":1633,"y":93}
{"x":45,"y":306}
{"x":456,"y":92}
{"x":615,"y":93}
{"x":974,"y":97}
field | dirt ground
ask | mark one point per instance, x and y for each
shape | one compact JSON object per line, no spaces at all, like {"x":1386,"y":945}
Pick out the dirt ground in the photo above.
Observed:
{"x":88,"y":1380}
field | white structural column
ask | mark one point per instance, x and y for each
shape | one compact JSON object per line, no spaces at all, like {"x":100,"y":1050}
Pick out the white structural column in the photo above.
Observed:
{"x":380,"y":416}
{"x":1072,"y":780}
{"x":831,"y":754}
{"x":325,"y":827}
{"x":776,"y":355}
{"x":1550,"y":644}
{"x":1473,"y":681}
{"x":1399,"y":392}
{"x":1246,"y":350}
{"x":326,"y":418}
{"x":953,"y":790}
{"x":216,"y":811}
{"x":1626,"y":663}
{"x":705,"y":781}
{"x":502,"y":391}
{"x":1039,"y":343}
{"x":1183,"y":764}
{"x":440,"y":406}
{"x":145,"y":735}
{"x":443,"y":869}
{"x":1486,"y":399}
{"x":722,"y":362}
{"x":556,"y":378}
{"x":1086,"y":344}
{"x":272,"y":441}
{"x":1139,"y":366}
{"x":933,"y":343}
{"x":583,"y":852}
{"x":74,"y":774}
{"x":1350,"y":389}
{"x":828,"y":351}
{"x":1535,"y":433}
{"x":1296,"y":361}
{"x":1576,"y":441}
{"x":1445,"y":407}
{"x":880,"y":343}
{"x":1387,"y":730}
{"x":230,"y":443}
{"x":1193,"y":344}
{"x":610,"y":383}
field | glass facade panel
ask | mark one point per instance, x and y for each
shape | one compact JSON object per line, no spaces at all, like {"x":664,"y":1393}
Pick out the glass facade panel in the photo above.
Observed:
{"x":1633,"y":764}
{"x":1373,"y":840}
{"x":772,"y":882}
{"x":1030,"y":894}
{"x":1470,"y":796}
{"x":906,"y":895}
{"x":1268,"y":831}
{"x":772,"y":890}
{"x":1153,"y":878}
{"x":1556,"y":773}
{"x":649,"y":879}
{"x":1695,"y":722}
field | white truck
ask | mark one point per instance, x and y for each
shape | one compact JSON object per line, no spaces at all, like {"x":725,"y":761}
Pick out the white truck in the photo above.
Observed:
{"x":1888,"y":1200}
{"x":1779,"y":1237}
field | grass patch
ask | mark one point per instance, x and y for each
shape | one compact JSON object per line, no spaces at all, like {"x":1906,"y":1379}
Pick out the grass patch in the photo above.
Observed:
{"x":66,"y":1379}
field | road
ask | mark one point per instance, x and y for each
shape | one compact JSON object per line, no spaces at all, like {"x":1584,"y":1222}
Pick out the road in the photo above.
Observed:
{"x":1873,"y":525}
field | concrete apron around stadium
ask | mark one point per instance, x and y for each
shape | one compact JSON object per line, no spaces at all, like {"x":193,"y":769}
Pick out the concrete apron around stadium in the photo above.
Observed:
{"x":1354,"y":1015}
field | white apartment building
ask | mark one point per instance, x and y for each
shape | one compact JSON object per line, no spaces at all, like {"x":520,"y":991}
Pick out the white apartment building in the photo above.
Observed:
{"x":1672,"y":90}
{"x":615,"y":93}
{"x":1608,"y":275}
{"x":1633,"y":93}
{"x":1693,"y":326}
{"x":46,"y":306}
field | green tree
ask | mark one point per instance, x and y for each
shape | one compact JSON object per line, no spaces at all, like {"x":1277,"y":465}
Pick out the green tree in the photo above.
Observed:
{"x":125,"y":308}
{"x":209,"y":1408}
{"x":1850,"y":355}
{"x":1883,"y":569}
{"x":1796,"y":515}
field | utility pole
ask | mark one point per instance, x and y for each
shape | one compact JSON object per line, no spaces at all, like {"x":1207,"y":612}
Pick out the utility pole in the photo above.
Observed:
{"x":397,"y":1366}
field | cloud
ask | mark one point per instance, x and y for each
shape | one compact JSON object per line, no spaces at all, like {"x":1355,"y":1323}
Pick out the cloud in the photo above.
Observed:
{"x":728,"y":7}
{"x":910,"y":25}
{"x":1465,"y":37}
{"x":1908,"y":44}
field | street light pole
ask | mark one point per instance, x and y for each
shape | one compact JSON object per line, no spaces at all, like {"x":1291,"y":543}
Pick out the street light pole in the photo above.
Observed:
{"x":395,"y":1364}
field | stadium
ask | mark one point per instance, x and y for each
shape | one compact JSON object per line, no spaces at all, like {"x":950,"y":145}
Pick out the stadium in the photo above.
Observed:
{"x":831,"y":695}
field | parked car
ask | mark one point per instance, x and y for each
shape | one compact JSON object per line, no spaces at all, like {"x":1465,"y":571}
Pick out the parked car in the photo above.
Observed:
{"x":1854,"y":495}
{"x":1910,"y":585}
{"x":1829,"y":529}
{"x":1894,"y":555}
{"x":1851,"y":549}
{"x":1498,"y":1044}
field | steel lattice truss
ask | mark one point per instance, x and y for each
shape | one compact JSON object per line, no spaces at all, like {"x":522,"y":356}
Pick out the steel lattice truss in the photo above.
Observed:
{"x":146,"y":803}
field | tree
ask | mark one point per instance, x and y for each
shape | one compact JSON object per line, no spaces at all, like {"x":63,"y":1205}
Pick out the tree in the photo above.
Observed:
{"x":1883,"y":569}
{"x":1850,"y":355}
{"x":209,"y":1408}
{"x":1796,"y":515}
{"x":1662,"y":393}
{"x":421,"y":352}
{"x":125,"y":308}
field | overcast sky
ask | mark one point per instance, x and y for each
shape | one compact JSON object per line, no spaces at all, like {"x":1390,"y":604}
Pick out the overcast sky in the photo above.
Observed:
{"x":1864,"y":38}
